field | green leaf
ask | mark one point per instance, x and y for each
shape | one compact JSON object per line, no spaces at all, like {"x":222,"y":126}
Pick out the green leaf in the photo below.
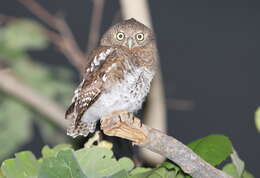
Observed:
{"x":97,"y":162}
{"x":257,"y":119}
{"x":52,"y":152}
{"x":120,"y":174}
{"x":64,"y":165}
{"x":214,"y":148}
{"x":230,"y":169}
{"x":160,"y":172}
{"x":24,"y":34}
{"x":170,"y":166}
{"x":126,"y":163}
{"x":237,"y":167}
{"x":140,"y":170}
{"x":239,"y":164}
{"x":24,"y":165}
{"x":15,"y":125}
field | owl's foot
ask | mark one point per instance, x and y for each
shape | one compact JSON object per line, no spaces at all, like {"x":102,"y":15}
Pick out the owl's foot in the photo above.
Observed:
{"x":123,"y":124}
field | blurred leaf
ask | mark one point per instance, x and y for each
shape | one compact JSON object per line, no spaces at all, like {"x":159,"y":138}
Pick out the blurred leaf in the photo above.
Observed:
{"x":97,"y":162}
{"x":239,"y":164}
{"x":257,"y":119}
{"x":43,"y":79}
{"x":247,"y":175}
{"x":11,"y":54}
{"x":1,"y":175}
{"x":24,"y":34}
{"x":24,"y":165}
{"x":49,"y":131}
{"x":214,"y":148}
{"x":15,"y":126}
{"x":64,"y":165}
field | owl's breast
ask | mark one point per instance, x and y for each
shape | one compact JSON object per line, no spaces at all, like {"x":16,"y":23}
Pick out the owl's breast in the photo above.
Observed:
{"x":128,"y":94}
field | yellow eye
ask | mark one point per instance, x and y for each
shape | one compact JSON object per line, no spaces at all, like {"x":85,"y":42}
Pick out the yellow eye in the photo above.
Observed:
{"x":120,"y":36}
{"x":139,"y":36}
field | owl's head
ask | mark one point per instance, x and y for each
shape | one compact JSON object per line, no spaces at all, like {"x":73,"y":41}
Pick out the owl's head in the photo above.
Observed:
{"x":129,"y":33}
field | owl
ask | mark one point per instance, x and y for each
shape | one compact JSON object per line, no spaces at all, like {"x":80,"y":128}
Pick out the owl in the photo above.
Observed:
{"x":117,"y":77}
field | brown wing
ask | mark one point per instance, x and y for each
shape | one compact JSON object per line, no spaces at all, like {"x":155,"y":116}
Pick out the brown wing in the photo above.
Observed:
{"x":103,"y":70}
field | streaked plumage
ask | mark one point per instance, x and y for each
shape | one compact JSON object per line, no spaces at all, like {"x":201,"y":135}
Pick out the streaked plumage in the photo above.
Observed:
{"x":117,"y":77}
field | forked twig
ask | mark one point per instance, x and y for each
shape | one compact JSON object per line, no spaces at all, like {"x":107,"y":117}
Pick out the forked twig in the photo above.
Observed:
{"x":64,"y":40}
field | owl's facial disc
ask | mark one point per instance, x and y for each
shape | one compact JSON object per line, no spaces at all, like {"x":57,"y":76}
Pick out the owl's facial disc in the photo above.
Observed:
{"x":129,"y":33}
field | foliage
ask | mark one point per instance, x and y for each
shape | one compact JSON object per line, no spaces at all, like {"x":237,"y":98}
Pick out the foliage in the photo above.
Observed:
{"x":16,"y":39}
{"x":213,"y":148}
{"x":98,"y":162}
{"x":257,"y":119}
{"x":13,"y":130}
{"x":22,"y":35}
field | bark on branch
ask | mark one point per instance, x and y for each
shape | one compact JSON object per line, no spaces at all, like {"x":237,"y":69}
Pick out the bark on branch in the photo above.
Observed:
{"x":158,"y":142}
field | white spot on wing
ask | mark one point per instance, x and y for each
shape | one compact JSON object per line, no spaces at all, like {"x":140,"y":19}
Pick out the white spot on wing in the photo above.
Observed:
{"x":104,"y":78}
{"x":97,"y":59}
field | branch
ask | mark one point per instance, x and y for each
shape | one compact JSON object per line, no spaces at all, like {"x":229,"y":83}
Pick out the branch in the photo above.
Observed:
{"x":65,"y":40}
{"x":5,"y":19}
{"x":158,"y":142}
{"x":11,"y":85}
{"x":96,"y":18}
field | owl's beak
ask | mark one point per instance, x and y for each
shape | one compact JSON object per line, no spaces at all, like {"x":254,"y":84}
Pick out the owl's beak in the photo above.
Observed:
{"x":130,"y":42}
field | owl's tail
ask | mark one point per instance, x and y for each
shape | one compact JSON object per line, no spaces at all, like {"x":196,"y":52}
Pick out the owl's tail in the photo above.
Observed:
{"x":78,"y":127}
{"x":82,"y":128}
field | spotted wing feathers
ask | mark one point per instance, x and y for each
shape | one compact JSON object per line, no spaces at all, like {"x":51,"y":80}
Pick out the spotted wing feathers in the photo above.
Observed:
{"x":86,"y":94}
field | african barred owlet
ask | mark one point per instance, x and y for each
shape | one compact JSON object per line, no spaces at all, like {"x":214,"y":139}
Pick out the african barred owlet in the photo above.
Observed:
{"x":117,"y":77}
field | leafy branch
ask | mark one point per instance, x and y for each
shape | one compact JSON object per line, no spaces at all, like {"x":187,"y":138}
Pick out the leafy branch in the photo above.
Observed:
{"x":98,"y":161}
{"x":129,"y":127}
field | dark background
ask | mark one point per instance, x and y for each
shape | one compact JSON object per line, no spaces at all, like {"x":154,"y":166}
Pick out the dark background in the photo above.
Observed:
{"x":209,"y":54}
